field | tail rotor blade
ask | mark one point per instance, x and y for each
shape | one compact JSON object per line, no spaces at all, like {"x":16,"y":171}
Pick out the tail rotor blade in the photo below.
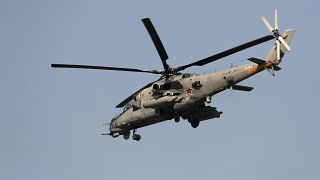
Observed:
{"x":278,"y":49}
{"x":266,"y":22}
{"x":276,"y":19}
{"x":276,"y":33}
{"x":284,"y":43}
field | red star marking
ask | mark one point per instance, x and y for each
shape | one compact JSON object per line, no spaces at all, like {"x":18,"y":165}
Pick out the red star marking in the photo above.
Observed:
{"x":188,"y":91}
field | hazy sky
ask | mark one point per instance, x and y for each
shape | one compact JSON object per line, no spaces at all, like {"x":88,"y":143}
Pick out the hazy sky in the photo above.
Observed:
{"x":51,"y":119}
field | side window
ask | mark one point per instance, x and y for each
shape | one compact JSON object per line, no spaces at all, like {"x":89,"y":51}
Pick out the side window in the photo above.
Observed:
{"x":186,"y":75}
{"x":196,"y":84}
{"x":156,"y":87}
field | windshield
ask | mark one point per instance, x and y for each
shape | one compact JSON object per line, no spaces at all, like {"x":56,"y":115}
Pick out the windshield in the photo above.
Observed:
{"x":113,"y":119}
{"x":127,"y":107}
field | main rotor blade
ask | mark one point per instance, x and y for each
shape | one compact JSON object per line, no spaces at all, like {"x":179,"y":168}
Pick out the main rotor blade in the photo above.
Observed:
{"x":226,"y":53}
{"x":266,"y":22}
{"x":103,"y":68}
{"x":128,"y":99}
{"x":276,"y":19}
{"x":156,"y":41}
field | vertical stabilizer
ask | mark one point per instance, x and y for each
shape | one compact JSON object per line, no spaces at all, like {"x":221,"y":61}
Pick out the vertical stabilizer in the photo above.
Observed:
{"x":272,"y":54}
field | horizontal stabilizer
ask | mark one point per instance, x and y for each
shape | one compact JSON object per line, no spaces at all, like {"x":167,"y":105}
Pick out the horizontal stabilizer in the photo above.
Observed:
{"x":242,"y":88}
{"x":276,"y":68}
{"x":257,"y":61}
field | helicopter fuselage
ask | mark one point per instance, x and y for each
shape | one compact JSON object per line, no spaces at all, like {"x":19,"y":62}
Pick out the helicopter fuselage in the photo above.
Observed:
{"x":183,"y":95}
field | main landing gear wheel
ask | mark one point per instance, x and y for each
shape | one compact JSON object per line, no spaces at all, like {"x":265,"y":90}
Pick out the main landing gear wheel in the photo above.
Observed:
{"x":195,"y":124}
{"x":177,"y":119}
{"x":126,"y":136}
{"x":136,"y":137}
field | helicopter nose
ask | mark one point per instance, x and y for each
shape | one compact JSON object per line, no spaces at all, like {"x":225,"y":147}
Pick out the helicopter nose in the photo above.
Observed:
{"x":111,"y":125}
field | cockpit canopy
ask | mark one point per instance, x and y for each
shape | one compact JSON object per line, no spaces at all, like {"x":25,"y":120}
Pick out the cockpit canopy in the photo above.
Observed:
{"x":127,"y":107}
{"x":186,"y":75}
{"x":167,"y":86}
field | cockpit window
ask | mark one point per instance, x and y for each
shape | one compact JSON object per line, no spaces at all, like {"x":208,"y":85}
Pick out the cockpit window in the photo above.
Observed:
{"x":165,"y":86}
{"x":113,"y":119}
{"x":127,"y":107}
{"x":156,"y":87}
{"x":186,"y":75}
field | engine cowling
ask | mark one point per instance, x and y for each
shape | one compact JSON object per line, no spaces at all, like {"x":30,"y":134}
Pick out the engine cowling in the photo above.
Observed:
{"x":161,"y":102}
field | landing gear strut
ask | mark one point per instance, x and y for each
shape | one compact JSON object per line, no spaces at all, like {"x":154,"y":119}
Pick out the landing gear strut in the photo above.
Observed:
{"x":136,"y":136}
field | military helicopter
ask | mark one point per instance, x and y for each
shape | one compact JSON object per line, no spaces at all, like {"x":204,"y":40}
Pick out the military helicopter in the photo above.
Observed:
{"x":178,"y":95}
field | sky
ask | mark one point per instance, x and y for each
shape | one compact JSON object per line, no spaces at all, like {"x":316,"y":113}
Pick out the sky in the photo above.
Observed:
{"x":51,"y":119}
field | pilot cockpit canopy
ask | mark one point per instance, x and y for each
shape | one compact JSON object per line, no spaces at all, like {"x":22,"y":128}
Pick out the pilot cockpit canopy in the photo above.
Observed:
{"x":127,"y":107}
{"x":186,"y":75}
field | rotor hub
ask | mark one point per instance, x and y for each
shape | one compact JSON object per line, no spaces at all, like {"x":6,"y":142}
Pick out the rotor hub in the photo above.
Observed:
{"x":276,"y":33}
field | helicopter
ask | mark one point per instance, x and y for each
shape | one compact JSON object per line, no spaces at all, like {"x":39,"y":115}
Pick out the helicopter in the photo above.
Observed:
{"x":178,"y":95}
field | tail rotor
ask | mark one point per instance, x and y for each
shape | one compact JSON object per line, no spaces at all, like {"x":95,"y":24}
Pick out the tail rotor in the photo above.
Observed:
{"x":276,"y":34}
